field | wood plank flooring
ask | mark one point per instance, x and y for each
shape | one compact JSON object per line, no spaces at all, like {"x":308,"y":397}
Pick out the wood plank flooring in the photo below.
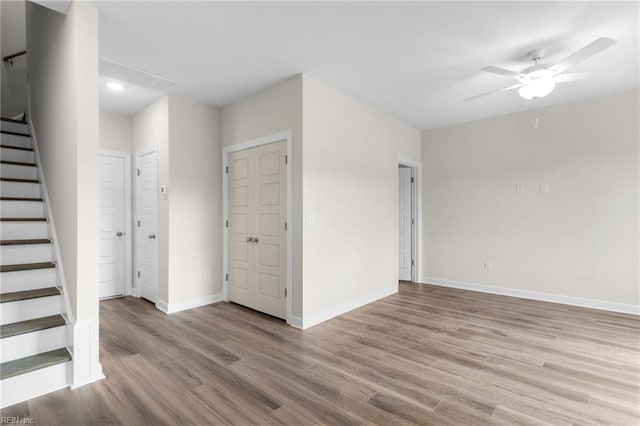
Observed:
{"x":427,"y":355}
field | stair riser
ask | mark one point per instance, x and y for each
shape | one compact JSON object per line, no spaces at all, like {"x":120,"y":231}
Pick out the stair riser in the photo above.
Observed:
{"x":19,"y":189}
{"x":25,"y":253}
{"x":18,"y":230}
{"x":23,"y":310}
{"x":34,"y":343}
{"x":21,"y":209}
{"x":27,"y":280}
{"x":8,"y":154}
{"x":14,"y":127}
{"x":15,"y":140}
{"x":18,"y":172}
{"x":36,"y":383}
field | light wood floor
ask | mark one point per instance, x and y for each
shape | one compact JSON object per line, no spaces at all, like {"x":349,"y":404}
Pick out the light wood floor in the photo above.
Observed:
{"x":427,"y":355}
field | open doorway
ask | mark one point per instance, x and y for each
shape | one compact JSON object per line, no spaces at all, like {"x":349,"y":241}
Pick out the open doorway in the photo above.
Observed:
{"x":408,"y":221}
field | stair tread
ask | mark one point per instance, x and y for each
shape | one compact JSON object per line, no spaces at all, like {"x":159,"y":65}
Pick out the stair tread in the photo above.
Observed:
{"x":27,"y":266}
{"x":9,"y":132}
{"x":21,"y":199}
{"x":19,"y":180}
{"x":29,"y":294}
{"x":13,"y":120}
{"x":25,"y":241}
{"x":23,"y":219}
{"x":21,"y":148}
{"x":18,"y":163}
{"x":29,"y":326}
{"x":34,"y":362}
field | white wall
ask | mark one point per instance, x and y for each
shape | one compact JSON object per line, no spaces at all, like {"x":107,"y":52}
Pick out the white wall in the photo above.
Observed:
{"x":63,"y":70}
{"x":349,"y":190}
{"x":195,"y":193}
{"x":115,"y":131}
{"x":271,"y":111}
{"x":579,"y":240}
{"x":150,"y":130}
{"x":13,"y":40}
{"x":186,"y":134}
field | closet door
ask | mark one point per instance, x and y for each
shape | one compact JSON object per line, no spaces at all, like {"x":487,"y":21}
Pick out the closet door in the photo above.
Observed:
{"x":269,"y":208}
{"x":239,"y":253}
{"x":257,"y":240}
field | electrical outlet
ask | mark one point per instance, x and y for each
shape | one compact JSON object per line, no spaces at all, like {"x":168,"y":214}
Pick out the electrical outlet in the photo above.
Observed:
{"x":519,"y":189}
{"x":487,"y":266}
{"x":544,"y":188}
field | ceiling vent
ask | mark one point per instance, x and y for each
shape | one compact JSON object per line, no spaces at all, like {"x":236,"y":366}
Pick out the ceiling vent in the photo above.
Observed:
{"x":131,"y":75}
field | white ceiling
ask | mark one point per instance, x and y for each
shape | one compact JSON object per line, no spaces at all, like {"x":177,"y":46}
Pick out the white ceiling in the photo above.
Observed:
{"x":416,"y":61}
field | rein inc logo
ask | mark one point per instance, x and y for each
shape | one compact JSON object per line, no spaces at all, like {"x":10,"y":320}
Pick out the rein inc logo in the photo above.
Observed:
{"x":14,"y":420}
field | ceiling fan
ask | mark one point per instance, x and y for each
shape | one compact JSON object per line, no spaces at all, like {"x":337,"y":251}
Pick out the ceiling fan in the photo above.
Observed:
{"x":539,"y":80}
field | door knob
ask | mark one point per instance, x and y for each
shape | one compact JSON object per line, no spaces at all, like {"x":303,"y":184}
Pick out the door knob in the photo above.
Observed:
{"x":120,"y":234}
{"x":249,"y":239}
{"x":152,"y":236}
{"x":255,"y":240}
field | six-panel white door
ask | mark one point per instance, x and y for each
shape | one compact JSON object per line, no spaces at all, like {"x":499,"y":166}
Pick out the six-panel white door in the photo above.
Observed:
{"x":405,"y":231}
{"x":112,"y":226}
{"x":147,"y":217}
{"x":257,"y":217}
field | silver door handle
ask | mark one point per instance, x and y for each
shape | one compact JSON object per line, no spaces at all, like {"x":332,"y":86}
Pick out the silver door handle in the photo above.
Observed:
{"x":249,"y":239}
{"x":255,"y":240}
{"x":120,"y":234}
{"x":152,"y":236}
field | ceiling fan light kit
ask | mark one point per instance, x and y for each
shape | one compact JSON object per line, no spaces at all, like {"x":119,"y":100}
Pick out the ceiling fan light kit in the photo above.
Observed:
{"x":539,"y":79}
{"x":537,"y":88}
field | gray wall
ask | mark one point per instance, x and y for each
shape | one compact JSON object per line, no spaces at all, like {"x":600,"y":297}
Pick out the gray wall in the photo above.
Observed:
{"x":579,"y":240}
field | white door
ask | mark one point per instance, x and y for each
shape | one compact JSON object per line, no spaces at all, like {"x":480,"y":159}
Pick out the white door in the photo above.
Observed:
{"x":112,"y":226}
{"x":405,"y":224}
{"x":146,"y":275}
{"x":257,"y":218}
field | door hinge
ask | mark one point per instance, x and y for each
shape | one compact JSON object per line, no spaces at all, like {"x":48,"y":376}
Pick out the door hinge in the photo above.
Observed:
{"x":138,"y":172}
{"x":286,"y":159}
{"x":285,"y":226}
{"x":226,"y":277}
{"x":138,"y":274}
{"x":411,"y":262}
{"x":226,"y":169}
{"x":412,"y":221}
{"x":412,"y":180}
{"x":226,"y":223}
{"x":138,"y":224}
{"x":285,"y":292}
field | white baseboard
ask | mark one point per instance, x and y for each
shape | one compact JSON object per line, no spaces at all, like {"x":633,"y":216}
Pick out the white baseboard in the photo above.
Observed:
{"x":315,"y":319}
{"x":295,"y":322}
{"x":172,"y":308}
{"x":534,"y":295}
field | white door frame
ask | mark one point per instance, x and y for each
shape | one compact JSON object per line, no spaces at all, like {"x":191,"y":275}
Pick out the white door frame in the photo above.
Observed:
{"x":416,"y":195}
{"x":153,"y":149}
{"x":128,"y":246}
{"x":277,"y":137}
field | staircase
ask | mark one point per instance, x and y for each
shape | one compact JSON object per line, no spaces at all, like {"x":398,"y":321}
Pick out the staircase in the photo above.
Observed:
{"x":35,"y":329}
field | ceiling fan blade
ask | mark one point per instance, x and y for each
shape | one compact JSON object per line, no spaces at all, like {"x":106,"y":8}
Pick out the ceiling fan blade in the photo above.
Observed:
{"x":575,"y":76}
{"x":586,"y":52}
{"x":502,"y":71}
{"x":515,"y":86}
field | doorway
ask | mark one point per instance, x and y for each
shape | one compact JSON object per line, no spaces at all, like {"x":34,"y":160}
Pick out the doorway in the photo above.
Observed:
{"x":146,"y":222}
{"x":409,"y":208}
{"x":257,"y":235}
{"x":115,"y":224}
